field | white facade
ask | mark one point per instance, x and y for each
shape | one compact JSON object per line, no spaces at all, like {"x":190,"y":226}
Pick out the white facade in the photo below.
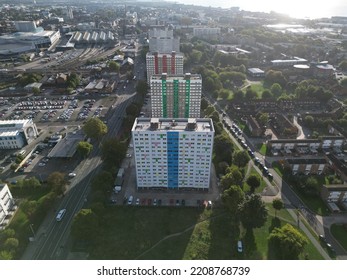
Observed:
{"x":163,"y":41}
{"x":6,"y":202}
{"x":158,"y":63}
{"x":176,"y":96}
{"x":173,"y":154}
{"x":14,"y":134}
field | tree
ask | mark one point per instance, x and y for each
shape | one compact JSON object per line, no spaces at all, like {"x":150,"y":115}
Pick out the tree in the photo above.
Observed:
{"x":253,"y":181}
{"x":253,"y":213}
{"x":85,"y":225}
{"x":312,"y":186}
{"x":343,"y":83}
{"x":223,"y":147}
{"x":6,"y":255}
{"x":103,"y":181}
{"x":241,"y":158}
{"x":36,"y":91}
{"x":286,"y":243}
{"x":73,"y":80}
{"x":276,"y":89}
{"x":233,"y":177}
{"x":84,"y":148}
{"x":309,"y":120}
{"x":232,"y":197}
{"x":114,"y":66}
{"x":266,"y":94}
{"x":142,"y":87}
{"x":11,"y":244}
{"x":238,"y":95}
{"x":132,"y":110}
{"x":56,"y":181}
{"x":113,"y":151}
{"x":251,"y":94}
{"x":343,"y":65}
{"x":263,"y":119}
{"x":277,"y":204}
{"x":94,"y":128}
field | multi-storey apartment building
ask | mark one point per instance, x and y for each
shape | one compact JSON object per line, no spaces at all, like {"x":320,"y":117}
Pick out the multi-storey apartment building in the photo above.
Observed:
{"x":163,"y":41}
{"x":158,"y":63}
{"x":176,"y":96}
{"x":173,"y":154}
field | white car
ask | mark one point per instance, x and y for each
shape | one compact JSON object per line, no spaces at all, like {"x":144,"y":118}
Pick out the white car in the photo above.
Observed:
{"x":42,"y":164}
{"x":128,"y":155}
{"x":72,"y":175}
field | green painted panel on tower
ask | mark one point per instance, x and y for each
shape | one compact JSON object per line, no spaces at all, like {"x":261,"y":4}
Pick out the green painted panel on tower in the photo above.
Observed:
{"x":164,"y":97}
{"x":176,"y":99}
{"x":187,"y":99}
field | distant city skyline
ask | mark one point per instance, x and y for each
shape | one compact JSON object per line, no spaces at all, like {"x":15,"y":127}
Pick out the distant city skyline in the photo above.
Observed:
{"x":294,"y":8}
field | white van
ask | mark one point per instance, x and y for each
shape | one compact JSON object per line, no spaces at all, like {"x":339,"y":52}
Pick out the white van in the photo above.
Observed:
{"x":130,"y":200}
{"x":60,"y":215}
{"x":21,"y":153}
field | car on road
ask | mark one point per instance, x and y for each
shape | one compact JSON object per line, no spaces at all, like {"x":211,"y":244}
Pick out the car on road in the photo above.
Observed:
{"x":177,"y":202}
{"x":128,"y":155}
{"x":41,"y":164}
{"x":183,"y":202}
{"x":239,"y":246}
{"x":130,"y":200}
{"x":322,"y":238}
{"x":60,"y":215}
{"x":137,"y":201}
{"x":155,"y":202}
{"x":71,"y":175}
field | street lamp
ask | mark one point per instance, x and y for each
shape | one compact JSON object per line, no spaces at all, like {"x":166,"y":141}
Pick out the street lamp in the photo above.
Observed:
{"x":32,"y":230}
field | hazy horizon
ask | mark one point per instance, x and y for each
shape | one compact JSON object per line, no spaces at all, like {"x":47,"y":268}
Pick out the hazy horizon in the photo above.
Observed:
{"x":294,"y":8}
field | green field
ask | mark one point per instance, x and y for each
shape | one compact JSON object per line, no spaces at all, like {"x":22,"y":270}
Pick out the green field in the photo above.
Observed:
{"x":177,"y":233}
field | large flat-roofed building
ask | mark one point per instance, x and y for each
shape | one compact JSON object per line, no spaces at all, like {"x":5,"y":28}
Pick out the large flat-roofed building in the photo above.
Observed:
{"x":176,"y":96}
{"x":206,"y":32}
{"x":163,"y":41}
{"x":6,"y":202}
{"x":173,"y":154}
{"x":14,"y":134}
{"x":158,"y":63}
{"x":21,"y":42}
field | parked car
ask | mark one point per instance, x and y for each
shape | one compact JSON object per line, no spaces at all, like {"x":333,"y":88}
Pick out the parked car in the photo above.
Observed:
{"x":239,"y":246}
{"x":71,"y":175}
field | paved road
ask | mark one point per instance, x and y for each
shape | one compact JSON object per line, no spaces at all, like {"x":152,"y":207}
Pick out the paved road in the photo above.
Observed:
{"x":52,"y":236}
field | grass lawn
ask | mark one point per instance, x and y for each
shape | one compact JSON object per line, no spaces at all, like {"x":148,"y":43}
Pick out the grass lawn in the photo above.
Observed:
{"x":339,"y":231}
{"x":262,"y":149}
{"x":176,"y":233}
{"x":257,"y":87}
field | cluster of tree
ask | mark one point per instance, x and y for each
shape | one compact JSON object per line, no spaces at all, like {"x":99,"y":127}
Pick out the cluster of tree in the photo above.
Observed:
{"x":27,"y":184}
{"x":73,"y":81}
{"x":113,"y":66}
{"x":8,"y":244}
{"x":323,"y":123}
{"x":29,"y":78}
{"x":142,"y":88}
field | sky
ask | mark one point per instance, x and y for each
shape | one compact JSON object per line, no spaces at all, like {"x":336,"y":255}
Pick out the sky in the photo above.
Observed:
{"x":294,"y":8}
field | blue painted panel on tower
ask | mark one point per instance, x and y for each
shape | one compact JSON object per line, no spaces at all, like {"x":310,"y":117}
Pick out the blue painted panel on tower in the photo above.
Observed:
{"x":172,"y":158}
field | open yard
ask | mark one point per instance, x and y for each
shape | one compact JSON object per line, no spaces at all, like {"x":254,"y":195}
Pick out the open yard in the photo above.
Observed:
{"x":178,"y":233}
